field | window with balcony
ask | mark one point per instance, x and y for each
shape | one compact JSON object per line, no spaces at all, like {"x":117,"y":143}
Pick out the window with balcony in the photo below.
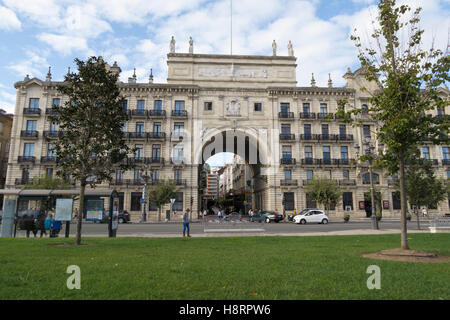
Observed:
{"x":141,"y":105}
{"x":325,"y":131}
{"x":306,"y":109}
{"x":344,"y":153}
{"x":445,"y":153}
{"x":139,"y":153}
{"x":323,"y":108}
{"x":286,"y":152}
{"x":34,"y":103}
{"x":426,"y":153}
{"x":28,"y":149}
{"x":51,"y":151}
{"x":124,"y":105}
{"x":287,"y":174}
{"x":284,"y":108}
{"x":137,"y":174}
{"x":178,"y":174}
{"x":307,"y":131}
{"x":178,"y":154}
{"x":154,"y":175}
{"x":31,"y":125}
{"x":156,"y":151}
{"x":366,"y":130}
{"x":157,"y":105}
{"x":342,"y":130}
{"x":178,"y":129}
{"x":139,"y":129}
{"x":179,"y":105}
{"x":56,"y":102}
{"x":285,"y":129}
{"x":157,"y":127}
{"x":308,"y":152}
{"x":119,"y":175}
{"x":25,"y":174}
{"x":53,"y":126}
{"x":326,"y":154}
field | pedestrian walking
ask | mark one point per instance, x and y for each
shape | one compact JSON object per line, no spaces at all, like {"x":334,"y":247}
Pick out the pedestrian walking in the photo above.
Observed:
{"x":424,"y":212}
{"x":186,"y":223}
{"x":29,"y":225}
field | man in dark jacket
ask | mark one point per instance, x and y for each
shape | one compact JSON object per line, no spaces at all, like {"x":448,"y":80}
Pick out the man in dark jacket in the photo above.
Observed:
{"x":28,"y":223}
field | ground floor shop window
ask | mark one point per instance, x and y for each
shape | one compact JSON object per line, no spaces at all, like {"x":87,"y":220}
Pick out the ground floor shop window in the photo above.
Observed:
{"x":347,"y":200}
{"x":396,"y":204}
{"x":288,"y":201}
{"x":178,"y":204}
{"x":135,"y":201}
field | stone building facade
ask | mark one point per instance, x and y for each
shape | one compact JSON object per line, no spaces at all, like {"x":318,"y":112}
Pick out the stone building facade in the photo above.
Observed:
{"x":250,"y":105}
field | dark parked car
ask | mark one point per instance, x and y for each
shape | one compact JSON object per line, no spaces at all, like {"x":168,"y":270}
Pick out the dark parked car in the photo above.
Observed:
{"x":267,"y":216}
{"x":124,"y":216}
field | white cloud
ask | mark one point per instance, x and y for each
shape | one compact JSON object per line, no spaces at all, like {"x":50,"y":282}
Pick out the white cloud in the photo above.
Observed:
{"x":64,"y":44}
{"x":8,"y":19}
{"x":34,"y":64}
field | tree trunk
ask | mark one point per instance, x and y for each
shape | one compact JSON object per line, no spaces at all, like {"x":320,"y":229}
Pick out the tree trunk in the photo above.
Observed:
{"x":403,"y":203}
{"x":418,"y":222}
{"x":80,"y":214}
{"x":159,"y":214}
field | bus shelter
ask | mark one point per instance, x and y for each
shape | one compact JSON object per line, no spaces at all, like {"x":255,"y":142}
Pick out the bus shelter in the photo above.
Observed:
{"x":20,"y":201}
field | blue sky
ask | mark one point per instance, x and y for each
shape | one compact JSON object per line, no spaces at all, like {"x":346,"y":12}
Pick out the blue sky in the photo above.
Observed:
{"x":36,"y":34}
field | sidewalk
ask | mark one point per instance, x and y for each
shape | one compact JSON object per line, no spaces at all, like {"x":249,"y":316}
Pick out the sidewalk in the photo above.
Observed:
{"x":252,"y":234}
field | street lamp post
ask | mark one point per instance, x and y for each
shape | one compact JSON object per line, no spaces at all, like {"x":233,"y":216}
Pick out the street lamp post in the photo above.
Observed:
{"x":370,"y":152}
{"x":144,"y":196}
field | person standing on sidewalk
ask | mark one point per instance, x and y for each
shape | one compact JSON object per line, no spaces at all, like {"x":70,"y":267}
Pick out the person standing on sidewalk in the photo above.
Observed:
{"x":186,"y":223}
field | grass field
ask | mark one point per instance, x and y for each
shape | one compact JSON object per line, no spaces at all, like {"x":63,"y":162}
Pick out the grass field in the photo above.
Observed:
{"x":221,"y":268}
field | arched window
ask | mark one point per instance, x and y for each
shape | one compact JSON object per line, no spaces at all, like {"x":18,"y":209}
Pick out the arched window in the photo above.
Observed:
{"x":366,"y":178}
{"x":364,"y":108}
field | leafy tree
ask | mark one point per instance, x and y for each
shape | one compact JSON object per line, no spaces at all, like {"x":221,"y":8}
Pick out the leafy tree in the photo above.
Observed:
{"x":324,"y":191}
{"x":423,"y":188}
{"x":92,"y":145}
{"x":160,"y":194}
{"x":407,"y":81}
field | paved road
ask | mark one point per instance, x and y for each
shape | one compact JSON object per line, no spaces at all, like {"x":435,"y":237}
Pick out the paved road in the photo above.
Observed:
{"x":282,"y":228}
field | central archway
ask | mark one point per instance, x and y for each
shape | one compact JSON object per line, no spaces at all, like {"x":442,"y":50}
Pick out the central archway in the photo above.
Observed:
{"x":248,"y":145}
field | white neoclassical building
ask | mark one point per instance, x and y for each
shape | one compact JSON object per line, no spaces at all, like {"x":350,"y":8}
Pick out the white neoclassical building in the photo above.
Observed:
{"x":249,"y":105}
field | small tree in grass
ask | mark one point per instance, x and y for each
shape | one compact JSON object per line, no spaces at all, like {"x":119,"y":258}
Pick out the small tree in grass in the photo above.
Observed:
{"x":324,"y":191}
{"x":160,"y":194}
{"x":91,"y":147}
{"x":423,"y":188}
{"x":407,"y":81}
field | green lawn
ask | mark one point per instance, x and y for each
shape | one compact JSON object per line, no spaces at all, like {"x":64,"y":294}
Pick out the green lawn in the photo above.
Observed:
{"x":326,"y":267}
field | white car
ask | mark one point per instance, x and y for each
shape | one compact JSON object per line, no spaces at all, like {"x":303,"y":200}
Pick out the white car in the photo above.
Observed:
{"x":312,"y":216}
